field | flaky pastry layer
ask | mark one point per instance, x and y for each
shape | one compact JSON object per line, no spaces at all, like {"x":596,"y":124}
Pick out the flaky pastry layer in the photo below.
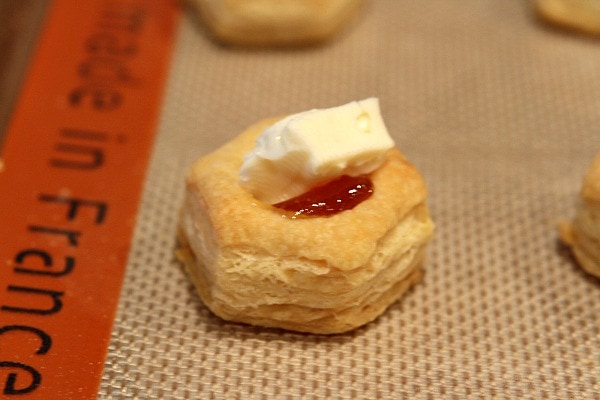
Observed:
{"x":576,"y":15}
{"x":583,"y":234}
{"x":252,"y":264}
{"x":274,"y":22}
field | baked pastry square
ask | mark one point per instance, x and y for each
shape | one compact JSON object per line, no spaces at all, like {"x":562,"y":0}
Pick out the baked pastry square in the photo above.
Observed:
{"x":577,"y":15}
{"x":583,"y":234}
{"x":324,"y":275}
{"x":274,"y":22}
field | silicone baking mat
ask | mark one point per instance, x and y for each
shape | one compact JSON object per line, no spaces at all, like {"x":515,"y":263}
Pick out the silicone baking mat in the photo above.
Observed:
{"x":500,"y":114}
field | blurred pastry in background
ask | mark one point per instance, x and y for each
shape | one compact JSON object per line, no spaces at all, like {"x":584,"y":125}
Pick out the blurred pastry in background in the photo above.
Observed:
{"x":274,"y":22}
{"x":578,"y":15}
{"x":583,"y":234}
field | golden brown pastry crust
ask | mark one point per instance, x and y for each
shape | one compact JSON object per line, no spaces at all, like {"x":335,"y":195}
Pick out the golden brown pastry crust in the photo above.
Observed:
{"x":583,"y":234}
{"x":591,"y":183}
{"x":274,"y":22}
{"x":320,"y":275}
{"x":578,"y":15}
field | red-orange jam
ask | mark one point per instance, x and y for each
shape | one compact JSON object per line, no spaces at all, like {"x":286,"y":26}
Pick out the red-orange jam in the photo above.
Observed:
{"x":343,"y":193}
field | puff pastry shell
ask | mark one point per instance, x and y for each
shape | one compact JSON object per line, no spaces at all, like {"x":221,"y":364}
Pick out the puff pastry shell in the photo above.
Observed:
{"x":583,"y":234}
{"x":578,"y":15}
{"x":320,"y":275}
{"x":274,"y":22}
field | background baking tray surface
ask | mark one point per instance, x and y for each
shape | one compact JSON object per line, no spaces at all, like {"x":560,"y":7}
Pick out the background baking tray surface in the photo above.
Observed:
{"x":500,"y":114}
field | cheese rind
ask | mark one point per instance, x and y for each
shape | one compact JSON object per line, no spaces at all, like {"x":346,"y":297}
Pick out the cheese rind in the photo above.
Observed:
{"x":306,"y":149}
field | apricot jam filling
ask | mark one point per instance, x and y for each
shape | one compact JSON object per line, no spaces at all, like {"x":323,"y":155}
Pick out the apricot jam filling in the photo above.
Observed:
{"x":343,"y":193}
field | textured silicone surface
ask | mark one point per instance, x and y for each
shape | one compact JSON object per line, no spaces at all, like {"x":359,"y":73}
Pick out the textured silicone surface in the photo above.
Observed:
{"x":499,"y":114}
